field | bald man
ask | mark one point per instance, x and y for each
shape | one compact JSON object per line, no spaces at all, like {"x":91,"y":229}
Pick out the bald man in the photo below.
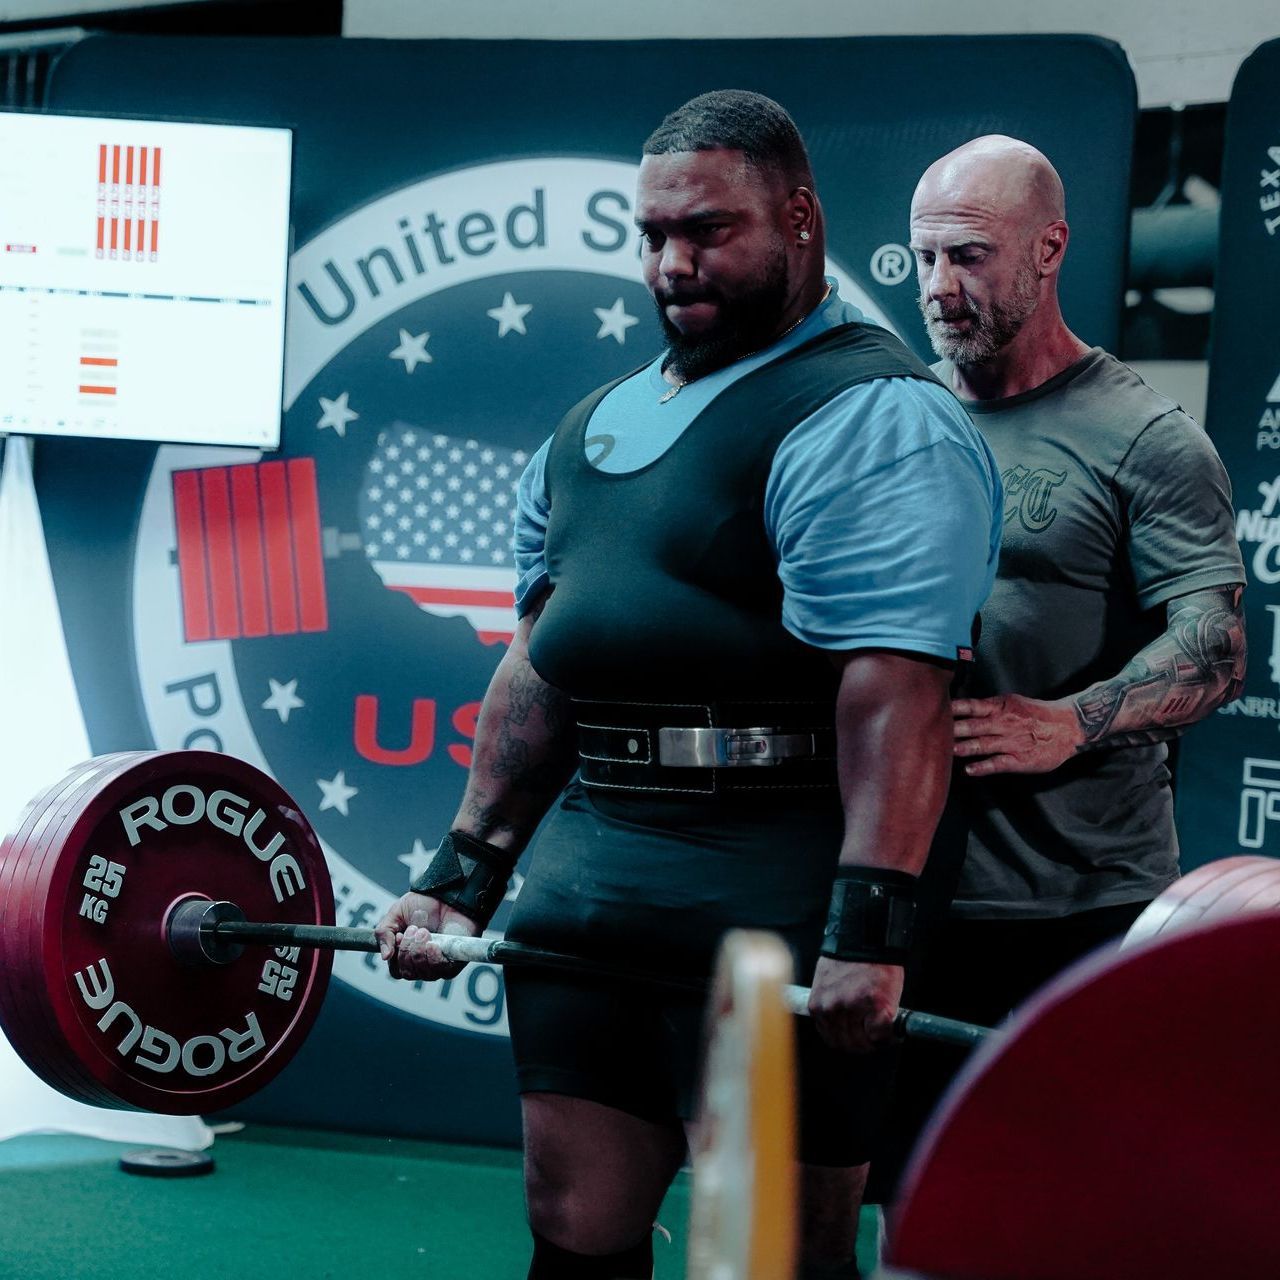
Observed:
{"x":1115,"y":621}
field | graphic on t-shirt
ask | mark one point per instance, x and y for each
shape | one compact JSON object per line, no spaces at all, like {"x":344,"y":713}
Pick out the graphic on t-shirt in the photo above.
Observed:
{"x":1027,"y":496}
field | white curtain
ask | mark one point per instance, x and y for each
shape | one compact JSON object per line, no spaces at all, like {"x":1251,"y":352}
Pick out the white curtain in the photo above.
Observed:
{"x":42,"y":734}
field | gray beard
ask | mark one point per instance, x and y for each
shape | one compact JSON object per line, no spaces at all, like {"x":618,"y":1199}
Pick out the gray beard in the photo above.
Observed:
{"x":992,"y":329}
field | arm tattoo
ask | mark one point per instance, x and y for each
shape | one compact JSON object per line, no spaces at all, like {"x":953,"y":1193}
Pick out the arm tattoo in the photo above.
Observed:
{"x":1183,"y":675}
{"x":525,"y":691}
{"x":528,"y":757}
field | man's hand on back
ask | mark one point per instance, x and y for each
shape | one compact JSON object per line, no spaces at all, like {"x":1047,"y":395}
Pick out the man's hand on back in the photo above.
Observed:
{"x":1013,"y":734}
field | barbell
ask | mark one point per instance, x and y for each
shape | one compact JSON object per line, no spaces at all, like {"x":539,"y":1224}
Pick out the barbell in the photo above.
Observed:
{"x":130,"y":893}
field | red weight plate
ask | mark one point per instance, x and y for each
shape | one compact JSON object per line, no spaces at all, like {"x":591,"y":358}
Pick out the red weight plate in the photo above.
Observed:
{"x":24,"y":964}
{"x":1124,"y":1126}
{"x":13,"y":863}
{"x":27,"y":982}
{"x":152,"y":1033}
{"x":19,"y":860}
{"x":62,"y":1064}
{"x":46,"y":984}
{"x":1214,"y":899}
{"x":1194,"y":896}
{"x":63,"y":1060}
{"x":1256,"y":893}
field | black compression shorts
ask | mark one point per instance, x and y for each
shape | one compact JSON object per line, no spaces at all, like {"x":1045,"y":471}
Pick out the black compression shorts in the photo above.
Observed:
{"x":653,"y":884}
{"x":639,"y":1050}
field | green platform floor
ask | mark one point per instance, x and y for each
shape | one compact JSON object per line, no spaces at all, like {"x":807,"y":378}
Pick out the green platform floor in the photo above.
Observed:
{"x":283,"y":1204}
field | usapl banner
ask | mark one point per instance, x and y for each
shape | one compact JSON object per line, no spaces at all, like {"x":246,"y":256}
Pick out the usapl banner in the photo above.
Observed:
{"x":465,"y":269}
{"x":1229,"y":766}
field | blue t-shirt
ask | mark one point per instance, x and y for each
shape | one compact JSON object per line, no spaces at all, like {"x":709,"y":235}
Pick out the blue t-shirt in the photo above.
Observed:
{"x":882,"y":507}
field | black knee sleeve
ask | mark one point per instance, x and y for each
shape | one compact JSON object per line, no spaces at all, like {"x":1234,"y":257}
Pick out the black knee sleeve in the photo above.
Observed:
{"x":550,"y":1262}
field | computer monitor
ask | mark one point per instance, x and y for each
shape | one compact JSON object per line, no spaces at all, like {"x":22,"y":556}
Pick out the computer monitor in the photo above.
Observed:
{"x":143,"y":274}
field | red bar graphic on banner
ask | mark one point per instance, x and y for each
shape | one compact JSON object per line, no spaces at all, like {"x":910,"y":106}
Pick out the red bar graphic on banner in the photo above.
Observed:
{"x":279,"y":542}
{"x":246,"y":518}
{"x":249,"y":550}
{"x":305,"y":509}
{"x":216,"y":497}
{"x":189,"y":523}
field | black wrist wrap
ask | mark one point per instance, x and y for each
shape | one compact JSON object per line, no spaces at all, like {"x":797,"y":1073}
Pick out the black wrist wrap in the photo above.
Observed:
{"x":468,"y":874}
{"x":872,"y":915}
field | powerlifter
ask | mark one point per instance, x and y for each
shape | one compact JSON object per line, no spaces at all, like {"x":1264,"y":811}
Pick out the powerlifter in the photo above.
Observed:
{"x":748,"y":571}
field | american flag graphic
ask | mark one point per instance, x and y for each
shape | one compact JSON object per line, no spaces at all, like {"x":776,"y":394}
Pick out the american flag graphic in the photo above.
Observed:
{"x":436,"y":516}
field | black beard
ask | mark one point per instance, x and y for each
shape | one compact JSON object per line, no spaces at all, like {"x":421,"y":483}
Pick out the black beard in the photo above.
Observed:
{"x":747,"y":324}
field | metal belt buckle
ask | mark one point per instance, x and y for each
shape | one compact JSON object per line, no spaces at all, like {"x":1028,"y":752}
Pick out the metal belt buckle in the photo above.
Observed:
{"x":729,"y":748}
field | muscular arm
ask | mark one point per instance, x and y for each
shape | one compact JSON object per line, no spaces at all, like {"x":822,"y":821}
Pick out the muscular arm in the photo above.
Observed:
{"x":1194,"y":666}
{"x":524,"y":753}
{"x":893,"y":733}
{"x":893,"y":736}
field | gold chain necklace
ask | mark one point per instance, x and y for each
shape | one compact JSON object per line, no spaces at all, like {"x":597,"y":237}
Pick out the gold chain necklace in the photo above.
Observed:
{"x":675,"y":389}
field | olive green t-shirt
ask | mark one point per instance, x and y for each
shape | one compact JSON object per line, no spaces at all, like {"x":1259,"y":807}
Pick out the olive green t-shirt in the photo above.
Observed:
{"x":1115,"y":503}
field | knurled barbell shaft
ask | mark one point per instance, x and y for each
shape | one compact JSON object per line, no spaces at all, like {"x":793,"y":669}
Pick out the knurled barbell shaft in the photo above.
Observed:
{"x":464,"y":950}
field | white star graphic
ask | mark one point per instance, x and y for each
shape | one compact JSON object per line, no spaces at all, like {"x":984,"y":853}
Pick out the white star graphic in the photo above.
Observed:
{"x":336,"y":792}
{"x":284,"y":698}
{"x":412,"y":350}
{"x":510,"y":316}
{"x":614,"y":321}
{"x":336,"y":414}
{"x":417,"y":859}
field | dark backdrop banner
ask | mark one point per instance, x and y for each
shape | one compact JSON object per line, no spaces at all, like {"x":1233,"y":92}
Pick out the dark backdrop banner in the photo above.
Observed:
{"x":1229,"y":767}
{"x":465,"y":269}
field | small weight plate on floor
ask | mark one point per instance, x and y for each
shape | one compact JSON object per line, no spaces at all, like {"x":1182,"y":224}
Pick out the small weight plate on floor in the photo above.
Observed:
{"x":166,"y":1162}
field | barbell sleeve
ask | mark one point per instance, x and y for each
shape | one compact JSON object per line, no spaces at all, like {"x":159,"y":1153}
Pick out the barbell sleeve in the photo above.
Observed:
{"x":466,"y":950}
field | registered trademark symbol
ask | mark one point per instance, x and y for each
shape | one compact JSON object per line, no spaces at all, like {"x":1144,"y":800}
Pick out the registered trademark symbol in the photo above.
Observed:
{"x":891,"y":264}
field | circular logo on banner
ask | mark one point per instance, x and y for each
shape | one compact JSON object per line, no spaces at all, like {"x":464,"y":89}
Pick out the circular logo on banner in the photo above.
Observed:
{"x":332,"y":613}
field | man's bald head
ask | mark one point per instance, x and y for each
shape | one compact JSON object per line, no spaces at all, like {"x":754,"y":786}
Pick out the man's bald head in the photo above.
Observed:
{"x":999,"y":173}
{"x":988,"y":228}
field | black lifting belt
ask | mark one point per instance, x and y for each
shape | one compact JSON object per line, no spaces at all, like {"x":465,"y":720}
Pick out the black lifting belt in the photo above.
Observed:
{"x":706,"y":749}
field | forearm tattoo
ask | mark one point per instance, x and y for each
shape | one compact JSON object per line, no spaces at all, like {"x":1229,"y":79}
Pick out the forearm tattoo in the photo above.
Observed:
{"x":1183,"y":675}
{"x":527,"y":758}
